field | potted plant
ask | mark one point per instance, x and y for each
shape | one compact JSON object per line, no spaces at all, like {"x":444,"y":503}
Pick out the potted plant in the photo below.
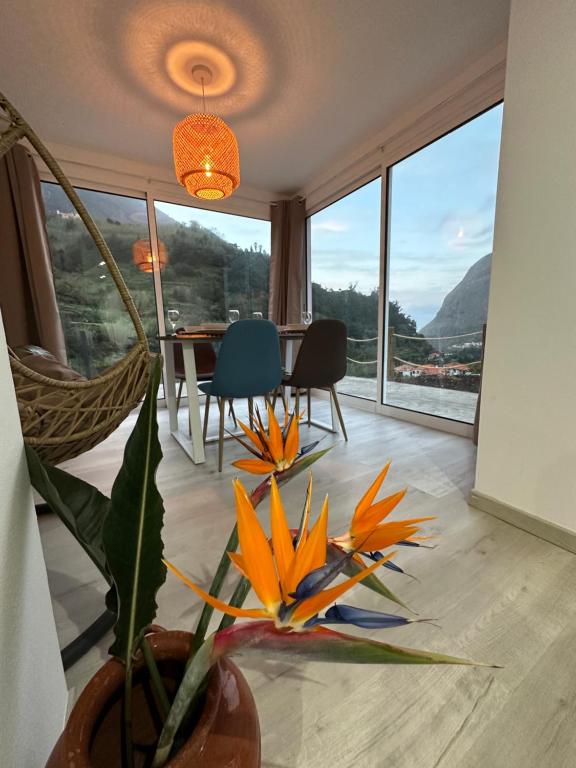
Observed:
{"x":172,"y":698}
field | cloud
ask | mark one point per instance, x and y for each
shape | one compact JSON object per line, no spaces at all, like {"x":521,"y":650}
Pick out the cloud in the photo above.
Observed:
{"x":329,"y":225}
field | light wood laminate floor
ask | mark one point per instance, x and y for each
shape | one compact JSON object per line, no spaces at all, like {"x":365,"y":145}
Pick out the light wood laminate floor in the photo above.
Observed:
{"x":499,"y":594}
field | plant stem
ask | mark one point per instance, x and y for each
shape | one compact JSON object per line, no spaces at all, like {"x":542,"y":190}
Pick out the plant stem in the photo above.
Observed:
{"x":156,"y":679}
{"x":237,"y":600}
{"x":215,"y":587}
{"x":127,"y":721}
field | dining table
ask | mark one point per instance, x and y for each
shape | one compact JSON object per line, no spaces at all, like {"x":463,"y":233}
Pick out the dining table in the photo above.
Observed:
{"x":191,"y":440}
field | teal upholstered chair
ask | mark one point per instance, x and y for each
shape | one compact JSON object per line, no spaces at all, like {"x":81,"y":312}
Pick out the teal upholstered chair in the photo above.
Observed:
{"x":248,"y":365}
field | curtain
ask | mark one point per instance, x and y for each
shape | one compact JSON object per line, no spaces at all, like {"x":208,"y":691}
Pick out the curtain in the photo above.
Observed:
{"x":287,"y":261}
{"x":27,"y":295}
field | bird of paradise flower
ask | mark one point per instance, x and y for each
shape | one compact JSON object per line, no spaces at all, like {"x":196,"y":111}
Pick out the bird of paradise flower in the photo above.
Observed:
{"x":292,"y":578}
{"x":276,"y":448}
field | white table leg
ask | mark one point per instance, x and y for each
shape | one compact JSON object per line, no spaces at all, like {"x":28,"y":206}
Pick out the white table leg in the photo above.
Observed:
{"x":288,"y":365}
{"x":170,"y":384}
{"x":198,"y":455}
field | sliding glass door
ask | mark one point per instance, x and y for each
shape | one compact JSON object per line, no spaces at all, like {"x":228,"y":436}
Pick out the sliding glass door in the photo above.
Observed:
{"x":344,"y":253}
{"x":441,"y":204}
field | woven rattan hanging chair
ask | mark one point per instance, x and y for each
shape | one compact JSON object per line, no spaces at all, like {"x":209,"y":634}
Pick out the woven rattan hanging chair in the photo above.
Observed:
{"x":62,"y":419}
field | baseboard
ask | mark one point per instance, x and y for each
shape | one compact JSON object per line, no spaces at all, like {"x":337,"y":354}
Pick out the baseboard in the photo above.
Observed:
{"x":543,"y":529}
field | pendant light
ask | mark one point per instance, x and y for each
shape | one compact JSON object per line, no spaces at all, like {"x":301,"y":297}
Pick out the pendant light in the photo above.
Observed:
{"x":206,"y":156}
{"x":143,"y":257}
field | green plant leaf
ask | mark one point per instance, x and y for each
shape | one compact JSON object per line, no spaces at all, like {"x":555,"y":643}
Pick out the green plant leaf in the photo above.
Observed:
{"x":80,"y":506}
{"x":133,"y":528}
{"x":261,"y":637}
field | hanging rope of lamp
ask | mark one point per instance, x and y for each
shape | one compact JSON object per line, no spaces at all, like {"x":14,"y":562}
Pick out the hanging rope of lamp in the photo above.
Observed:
{"x":206,"y":156}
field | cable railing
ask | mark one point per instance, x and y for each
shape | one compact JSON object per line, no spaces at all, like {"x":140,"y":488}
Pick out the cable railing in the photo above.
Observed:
{"x":427,"y":367}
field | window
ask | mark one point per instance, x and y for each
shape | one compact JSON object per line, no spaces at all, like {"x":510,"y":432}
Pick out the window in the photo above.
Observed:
{"x":215,"y":262}
{"x":441,"y":221}
{"x":344,"y":253}
{"x":97,"y":328}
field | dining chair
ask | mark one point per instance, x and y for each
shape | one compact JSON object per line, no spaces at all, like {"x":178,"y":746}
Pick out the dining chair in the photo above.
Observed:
{"x":205,"y":358}
{"x":320,"y":364}
{"x":248,"y":365}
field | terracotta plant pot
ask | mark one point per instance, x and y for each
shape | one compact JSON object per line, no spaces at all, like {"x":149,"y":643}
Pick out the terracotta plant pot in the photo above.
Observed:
{"x":226,"y":734}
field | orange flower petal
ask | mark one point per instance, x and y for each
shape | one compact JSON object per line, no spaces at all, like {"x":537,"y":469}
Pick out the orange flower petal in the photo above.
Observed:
{"x":254,"y":466}
{"x":376,"y":513}
{"x":312,"y":605}
{"x":312,"y":554}
{"x":387,"y":534}
{"x":249,"y":613}
{"x":292,"y":441}
{"x":256,"y":552}
{"x":238,"y":561}
{"x":281,"y":538}
{"x":366,"y":500}
{"x":275,"y":440}
{"x":255,"y":438}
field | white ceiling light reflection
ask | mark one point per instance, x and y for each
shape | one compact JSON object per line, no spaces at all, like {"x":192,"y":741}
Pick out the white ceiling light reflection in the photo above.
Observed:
{"x":164,"y":40}
{"x":183,"y":57}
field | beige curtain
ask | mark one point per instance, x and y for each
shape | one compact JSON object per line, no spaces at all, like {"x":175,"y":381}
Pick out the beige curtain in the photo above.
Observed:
{"x":27,"y":296}
{"x":287,"y":262}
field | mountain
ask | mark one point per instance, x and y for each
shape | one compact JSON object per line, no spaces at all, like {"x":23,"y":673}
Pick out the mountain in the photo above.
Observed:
{"x":465,"y":308}
{"x":114,"y":208}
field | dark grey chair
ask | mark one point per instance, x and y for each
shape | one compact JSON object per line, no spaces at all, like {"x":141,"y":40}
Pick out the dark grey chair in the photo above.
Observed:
{"x":321,"y":363}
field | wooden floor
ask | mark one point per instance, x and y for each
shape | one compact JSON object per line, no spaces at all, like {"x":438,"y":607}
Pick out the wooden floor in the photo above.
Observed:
{"x":499,"y":594}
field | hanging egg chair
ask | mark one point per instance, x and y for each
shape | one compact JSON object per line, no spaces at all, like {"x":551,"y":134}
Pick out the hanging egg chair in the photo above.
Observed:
{"x":62,"y":419}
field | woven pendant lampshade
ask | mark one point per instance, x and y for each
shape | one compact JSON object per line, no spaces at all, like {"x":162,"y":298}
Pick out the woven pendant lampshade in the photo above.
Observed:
{"x":143,"y":257}
{"x":206,"y":156}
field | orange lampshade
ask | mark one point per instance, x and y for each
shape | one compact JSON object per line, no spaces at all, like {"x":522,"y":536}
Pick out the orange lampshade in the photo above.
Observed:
{"x":206,"y":156}
{"x":143,"y":257}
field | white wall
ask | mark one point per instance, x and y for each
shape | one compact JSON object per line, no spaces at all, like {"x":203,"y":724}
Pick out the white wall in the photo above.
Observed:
{"x":33,"y":693}
{"x":527,"y":449}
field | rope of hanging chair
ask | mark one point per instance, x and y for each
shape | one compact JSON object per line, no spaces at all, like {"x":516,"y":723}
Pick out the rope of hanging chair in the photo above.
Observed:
{"x":20,"y":129}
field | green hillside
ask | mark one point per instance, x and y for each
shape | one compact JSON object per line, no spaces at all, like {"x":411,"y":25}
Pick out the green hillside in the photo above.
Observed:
{"x":205,"y":277}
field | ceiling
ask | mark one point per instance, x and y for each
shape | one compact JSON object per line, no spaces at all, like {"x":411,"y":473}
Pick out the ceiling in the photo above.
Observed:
{"x":310,"y":77}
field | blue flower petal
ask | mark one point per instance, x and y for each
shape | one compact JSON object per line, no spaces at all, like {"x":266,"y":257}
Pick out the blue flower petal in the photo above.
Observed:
{"x":359,"y":617}
{"x":320,"y":578}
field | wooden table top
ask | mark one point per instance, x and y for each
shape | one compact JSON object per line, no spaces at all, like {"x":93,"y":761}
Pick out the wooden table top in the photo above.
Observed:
{"x":201,"y":333}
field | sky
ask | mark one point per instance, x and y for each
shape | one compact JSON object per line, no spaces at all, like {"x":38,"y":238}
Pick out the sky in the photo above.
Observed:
{"x":441,"y":221}
{"x":235,"y":229}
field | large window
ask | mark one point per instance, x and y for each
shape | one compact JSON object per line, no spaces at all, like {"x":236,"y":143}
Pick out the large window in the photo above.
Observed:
{"x":215,"y":262}
{"x":97,"y":328}
{"x":344,"y":251}
{"x":441,"y":220}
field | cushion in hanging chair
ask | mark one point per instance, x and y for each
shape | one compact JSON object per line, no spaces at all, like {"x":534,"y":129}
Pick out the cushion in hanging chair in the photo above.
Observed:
{"x":41,"y":361}
{"x":63,"y":418}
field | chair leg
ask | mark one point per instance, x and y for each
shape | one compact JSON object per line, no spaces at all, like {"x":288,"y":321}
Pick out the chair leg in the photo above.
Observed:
{"x":179,"y":395}
{"x":338,"y":411}
{"x":206,"y":412}
{"x":232,"y":413}
{"x":251,"y":412}
{"x":309,"y":405}
{"x":222,"y":406}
